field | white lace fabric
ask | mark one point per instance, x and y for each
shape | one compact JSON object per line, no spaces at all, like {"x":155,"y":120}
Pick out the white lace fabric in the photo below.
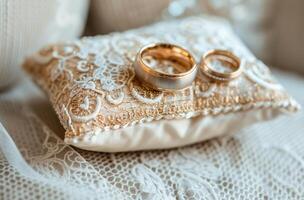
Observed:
{"x":92,"y":86}
{"x":265,"y":161}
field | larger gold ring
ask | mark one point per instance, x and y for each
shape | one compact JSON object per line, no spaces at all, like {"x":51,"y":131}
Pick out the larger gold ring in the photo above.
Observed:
{"x":159,"y":80}
{"x":221,"y":56}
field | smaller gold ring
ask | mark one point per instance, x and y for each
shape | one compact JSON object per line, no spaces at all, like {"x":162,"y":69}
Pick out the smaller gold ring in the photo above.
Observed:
{"x":161,"y":80}
{"x":224,"y":56}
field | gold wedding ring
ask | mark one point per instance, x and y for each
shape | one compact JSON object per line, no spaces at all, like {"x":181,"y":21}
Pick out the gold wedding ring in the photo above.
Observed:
{"x":209,"y":60}
{"x":161,"y":80}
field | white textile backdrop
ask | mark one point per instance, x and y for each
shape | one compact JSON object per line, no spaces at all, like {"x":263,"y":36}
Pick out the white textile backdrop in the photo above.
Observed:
{"x":26,"y":26}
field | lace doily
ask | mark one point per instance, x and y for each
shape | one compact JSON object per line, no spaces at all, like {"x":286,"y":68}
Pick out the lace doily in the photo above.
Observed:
{"x":92,"y":85}
{"x":264,"y":161}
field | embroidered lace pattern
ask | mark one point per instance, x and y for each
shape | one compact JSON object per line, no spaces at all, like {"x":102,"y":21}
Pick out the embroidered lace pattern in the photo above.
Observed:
{"x":93,"y":88}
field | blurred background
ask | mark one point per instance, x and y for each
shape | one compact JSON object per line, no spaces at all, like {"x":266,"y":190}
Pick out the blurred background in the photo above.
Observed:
{"x":272,"y":29}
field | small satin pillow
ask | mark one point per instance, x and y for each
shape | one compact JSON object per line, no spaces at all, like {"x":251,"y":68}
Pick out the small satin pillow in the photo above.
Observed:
{"x":103,"y":107}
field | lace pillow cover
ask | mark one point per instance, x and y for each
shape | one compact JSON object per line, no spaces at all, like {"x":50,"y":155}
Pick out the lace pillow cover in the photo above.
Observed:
{"x":103,"y":107}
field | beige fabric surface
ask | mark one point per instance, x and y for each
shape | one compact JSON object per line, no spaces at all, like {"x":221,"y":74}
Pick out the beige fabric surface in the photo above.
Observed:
{"x":108,"y":16}
{"x":288,"y":45}
{"x":25,"y":26}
